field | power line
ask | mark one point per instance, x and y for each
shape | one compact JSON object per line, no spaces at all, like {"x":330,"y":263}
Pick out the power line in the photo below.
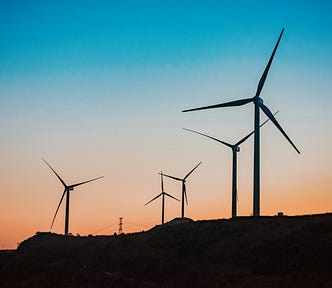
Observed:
{"x":137,"y":225}
{"x":106,"y":227}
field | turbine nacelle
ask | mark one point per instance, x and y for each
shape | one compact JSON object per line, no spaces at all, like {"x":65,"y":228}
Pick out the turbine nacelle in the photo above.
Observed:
{"x":258,"y":100}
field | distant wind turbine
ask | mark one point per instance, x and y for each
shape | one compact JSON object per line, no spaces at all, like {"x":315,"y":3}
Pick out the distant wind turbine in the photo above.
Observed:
{"x":258,"y":102}
{"x":235,"y":148}
{"x":184,"y":191}
{"x":66,"y":192}
{"x":162,"y":194}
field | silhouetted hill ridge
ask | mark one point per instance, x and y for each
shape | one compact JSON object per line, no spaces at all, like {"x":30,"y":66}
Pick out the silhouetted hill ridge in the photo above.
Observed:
{"x":243,"y":252}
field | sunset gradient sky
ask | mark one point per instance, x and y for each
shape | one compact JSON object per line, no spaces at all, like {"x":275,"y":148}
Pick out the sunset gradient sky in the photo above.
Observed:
{"x":97,"y":88}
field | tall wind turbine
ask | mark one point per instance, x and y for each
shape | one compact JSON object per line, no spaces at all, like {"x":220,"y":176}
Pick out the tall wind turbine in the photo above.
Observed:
{"x":66,"y":192}
{"x":258,"y":103}
{"x":235,"y":149}
{"x":162,"y":194}
{"x":184,"y":191}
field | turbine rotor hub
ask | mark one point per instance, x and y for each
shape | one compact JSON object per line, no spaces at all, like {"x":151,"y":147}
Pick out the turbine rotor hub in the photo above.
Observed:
{"x":258,"y":100}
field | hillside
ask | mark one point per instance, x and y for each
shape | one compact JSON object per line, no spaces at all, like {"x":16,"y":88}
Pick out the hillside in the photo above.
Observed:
{"x":244,"y":252}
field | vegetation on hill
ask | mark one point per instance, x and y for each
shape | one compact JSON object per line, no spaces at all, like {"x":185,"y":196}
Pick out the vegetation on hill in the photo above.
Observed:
{"x":243,"y":252}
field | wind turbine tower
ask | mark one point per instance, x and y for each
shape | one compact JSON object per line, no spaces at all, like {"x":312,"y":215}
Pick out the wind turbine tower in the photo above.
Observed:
{"x":67,"y":190}
{"x":235,"y":149}
{"x":162,"y":194}
{"x":258,"y":104}
{"x":184,"y":189}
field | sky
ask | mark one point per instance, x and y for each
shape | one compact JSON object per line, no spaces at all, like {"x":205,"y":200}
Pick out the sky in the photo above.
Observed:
{"x":97,"y":89}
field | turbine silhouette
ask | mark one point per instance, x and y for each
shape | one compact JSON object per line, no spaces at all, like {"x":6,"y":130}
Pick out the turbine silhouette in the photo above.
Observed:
{"x":184,"y":191}
{"x":235,"y":149}
{"x":66,"y":192}
{"x":258,"y":103}
{"x":163,"y":193}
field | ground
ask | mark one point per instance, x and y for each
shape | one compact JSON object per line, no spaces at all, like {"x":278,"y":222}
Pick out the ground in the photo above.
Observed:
{"x":243,"y":252}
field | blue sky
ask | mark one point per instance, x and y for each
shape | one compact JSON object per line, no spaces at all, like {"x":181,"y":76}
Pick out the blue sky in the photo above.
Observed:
{"x":96,"y":87}
{"x":41,"y":37}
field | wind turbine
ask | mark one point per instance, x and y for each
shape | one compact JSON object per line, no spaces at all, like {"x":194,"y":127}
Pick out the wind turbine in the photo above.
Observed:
{"x":163,"y":193}
{"x":235,"y":149}
{"x":258,"y":103}
{"x":184,"y":191}
{"x":66,"y":192}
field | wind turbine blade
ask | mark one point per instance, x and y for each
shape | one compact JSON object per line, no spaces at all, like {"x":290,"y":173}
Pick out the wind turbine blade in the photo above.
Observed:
{"x":162,"y":181}
{"x":78,"y":184}
{"x":171,"y":196}
{"x":270,"y":115}
{"x":63,"y":183}
{"x":267,"y":68}
{"x":169,"y":176}
{"x":227,"y":104}
{"x":153,"y":199}
{"x":245,"y":138}
{"x":185,"y":193}
{"x":57,"y":209}
{"x":215,"y":139}
{"x":192,"y":171}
